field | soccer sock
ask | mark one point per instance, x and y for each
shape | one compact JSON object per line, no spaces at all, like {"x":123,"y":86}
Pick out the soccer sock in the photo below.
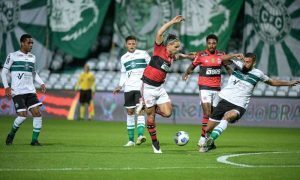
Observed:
{"x":130,"y":127}
{"x":37,"y":125}
{"x":151,"y":129}
{"x":91,"y":110}
{"x":204,"y":121}
{"x":217,"y":131}
{"x":140,"y":125}
{"x":82,"y":111}
{"x":17,"y":123}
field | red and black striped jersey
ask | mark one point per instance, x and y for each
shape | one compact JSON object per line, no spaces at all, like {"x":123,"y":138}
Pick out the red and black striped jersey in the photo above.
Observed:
{"x":210,"y":69}
{"x":158,"y":67}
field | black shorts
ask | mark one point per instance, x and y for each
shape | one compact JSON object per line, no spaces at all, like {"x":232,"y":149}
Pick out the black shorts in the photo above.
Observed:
{"x":224,"y":106}
{"x":24,"y":102}
{"x":85,"y":96}
{"x":132,"y":98}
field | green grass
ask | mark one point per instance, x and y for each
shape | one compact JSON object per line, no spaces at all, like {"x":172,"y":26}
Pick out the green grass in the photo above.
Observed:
{"x":94,"y":150}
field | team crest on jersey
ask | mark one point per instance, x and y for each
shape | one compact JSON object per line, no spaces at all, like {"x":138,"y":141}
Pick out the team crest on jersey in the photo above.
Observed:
{"x":271,"y":20}
{"x":133,"y":64}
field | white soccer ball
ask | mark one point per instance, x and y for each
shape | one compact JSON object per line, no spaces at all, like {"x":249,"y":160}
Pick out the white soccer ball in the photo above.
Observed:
{"x":181,"y":138}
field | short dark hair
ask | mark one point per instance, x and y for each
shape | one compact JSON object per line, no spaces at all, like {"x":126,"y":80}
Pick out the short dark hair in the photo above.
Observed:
{"x":251,"y":55}
{"x":130,"y":38}
{"x":212,"y":36}
{"x":171,"y":38}
{"x":24,"y":37}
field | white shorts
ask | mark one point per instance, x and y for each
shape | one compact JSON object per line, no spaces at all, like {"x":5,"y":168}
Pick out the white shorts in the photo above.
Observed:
{"x":153,"y":95}
{"x":208,"y":96}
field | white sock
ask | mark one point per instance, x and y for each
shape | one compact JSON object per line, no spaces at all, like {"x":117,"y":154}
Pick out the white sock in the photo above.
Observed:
{"x":18,"y":121}
{"x":37,"y":124}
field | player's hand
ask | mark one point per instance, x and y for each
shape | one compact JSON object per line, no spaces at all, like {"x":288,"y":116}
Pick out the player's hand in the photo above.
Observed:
{"x":117,"y":90}
{"x":43,"y":88}
{"x":185,"y":76}
{"x":177,"y":19}
{"x":8,"y":92}
{"x":294,"y":82}
{"x":239,"y":56}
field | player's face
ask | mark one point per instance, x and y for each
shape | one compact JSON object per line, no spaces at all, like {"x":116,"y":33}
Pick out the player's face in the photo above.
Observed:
{"x":131,"y":45}
{"x":211,"y":45}
{"x":173,"y":47}
{"x":26,"y":46}
{"x":248,"y":63}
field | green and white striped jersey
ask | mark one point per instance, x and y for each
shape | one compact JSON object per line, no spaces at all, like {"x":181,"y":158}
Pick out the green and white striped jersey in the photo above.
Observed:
{"x":21,"y":67}
{"x":133,"y":65}
{"x":240,"y":85}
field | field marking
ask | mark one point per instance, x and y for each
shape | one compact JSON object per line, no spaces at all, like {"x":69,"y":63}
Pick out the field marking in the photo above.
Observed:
{"x":105,"y":169}
{"x":224,"y":159}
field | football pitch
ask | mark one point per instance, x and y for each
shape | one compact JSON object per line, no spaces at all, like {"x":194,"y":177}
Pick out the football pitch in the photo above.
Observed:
{"x":94,"y":150}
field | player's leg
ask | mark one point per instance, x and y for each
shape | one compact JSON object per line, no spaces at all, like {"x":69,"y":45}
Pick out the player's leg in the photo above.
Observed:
{"x":130,"y":117}
{"x":149,"y":95}
{"x":206,"y":99}
{"x":164,"y":106}
{"x":90,"y":102}
{"x":140,"y":119}
{"x":19,"y":102}
{"x":82,"y":102}
{"x":33,"y":105}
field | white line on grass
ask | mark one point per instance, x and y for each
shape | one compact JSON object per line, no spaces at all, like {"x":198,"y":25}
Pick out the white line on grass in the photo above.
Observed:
{"x":106,"y":169}
{"x":223,"y":159}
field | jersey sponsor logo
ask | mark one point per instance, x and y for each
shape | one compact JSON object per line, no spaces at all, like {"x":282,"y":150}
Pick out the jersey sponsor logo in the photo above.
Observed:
{"x":165,"y":67}
{"x":129,"y":74}
{"x":210,"y":71}
{"x":235,"y":81}
{"x":20,"y":75}
{"x":271,"y":20}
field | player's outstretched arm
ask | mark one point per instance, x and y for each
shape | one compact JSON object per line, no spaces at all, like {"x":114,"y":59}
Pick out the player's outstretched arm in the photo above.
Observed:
{"x":228,"y":57}
{"x":188,"y":71}
{"x":159,"y":35}
{"x":276,"y":82}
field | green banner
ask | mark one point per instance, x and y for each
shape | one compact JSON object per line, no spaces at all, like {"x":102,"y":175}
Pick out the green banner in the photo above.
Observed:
{"x":272,"y":31}
{"x":75,"y":24}
{"x":18,"y":17}
{"x":202,"y":17}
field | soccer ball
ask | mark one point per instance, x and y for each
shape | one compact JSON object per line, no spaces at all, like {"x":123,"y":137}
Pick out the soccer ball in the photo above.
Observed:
{"x":181,"y":138}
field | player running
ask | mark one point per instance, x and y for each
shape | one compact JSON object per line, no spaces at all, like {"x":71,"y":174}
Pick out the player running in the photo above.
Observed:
{"x":21,"y":66}
{"x":133,"y":63}
{"x":154,"y":95}
{"x":235,"y":97}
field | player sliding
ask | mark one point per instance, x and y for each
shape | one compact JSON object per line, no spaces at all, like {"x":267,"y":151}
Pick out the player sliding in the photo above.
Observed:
{"x":155,"y":96}
{"x":235,"y":97}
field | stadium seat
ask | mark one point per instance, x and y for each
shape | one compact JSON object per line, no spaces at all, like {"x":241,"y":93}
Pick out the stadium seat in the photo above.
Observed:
{"x":292,"y":94}
{"x":269,"y":93}
{"x":257,"y":92}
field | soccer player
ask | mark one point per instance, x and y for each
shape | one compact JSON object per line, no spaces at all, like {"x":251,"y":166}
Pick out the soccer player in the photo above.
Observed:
{"x":133,"y":63}
{"x":154,"y":95}
{"x":21,"y":66}
{"x":86,"y":85}
{"x":235,"y":97}
{"x":209,"y":80}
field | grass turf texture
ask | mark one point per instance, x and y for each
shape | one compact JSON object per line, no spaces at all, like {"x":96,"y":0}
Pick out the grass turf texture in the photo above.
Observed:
{"x":94,"y":150}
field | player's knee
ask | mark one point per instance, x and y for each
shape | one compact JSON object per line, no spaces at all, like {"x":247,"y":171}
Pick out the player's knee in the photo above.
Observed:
{"x":130,"y":112}
{"x":231,"y":115}
{"x":22,"y":114}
